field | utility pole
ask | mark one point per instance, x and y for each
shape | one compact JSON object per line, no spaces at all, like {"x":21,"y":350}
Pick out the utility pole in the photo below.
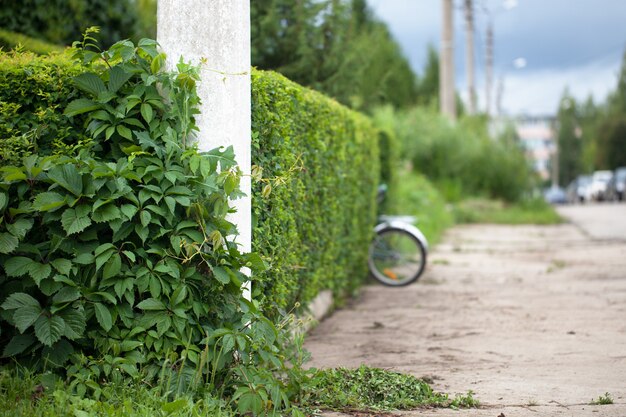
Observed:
{"x":469,"y":54}
{"x":489,"y":68}
{"x":447,"y":101}
{"x":216,"y":36}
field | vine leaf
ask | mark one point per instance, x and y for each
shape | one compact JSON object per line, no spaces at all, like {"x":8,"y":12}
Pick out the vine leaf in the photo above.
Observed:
{"x":49,"y":329}
{"x":103,"y":316}
{"x":75,"y":220}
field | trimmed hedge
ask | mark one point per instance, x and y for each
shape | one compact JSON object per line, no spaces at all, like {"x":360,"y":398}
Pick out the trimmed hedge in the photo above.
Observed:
{"x":10,"y":40}
{"x":34,"y":90}
{"x":321,"y":161}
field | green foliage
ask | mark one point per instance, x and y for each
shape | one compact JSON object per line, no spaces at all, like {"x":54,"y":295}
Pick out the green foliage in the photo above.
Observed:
{"x":315,"y":212}
{"x":34,"y":91}
{"x":119,"y":258}
{"x":334,"y":46}
{"x":605,"y":399}
{"x":461,"y":159}
{"x":372,"y":389}
{"x":61,"y":21}
{"x":12,"y":40}
{"x":416,"y":196}
{"x":527,"y":211}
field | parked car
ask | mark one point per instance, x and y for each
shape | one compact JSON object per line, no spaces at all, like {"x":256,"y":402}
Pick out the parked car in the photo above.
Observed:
{"x":578,"y":191}
{"x":617,"y":185}
{"x":555,"y":195}
{"x":599,"y":182}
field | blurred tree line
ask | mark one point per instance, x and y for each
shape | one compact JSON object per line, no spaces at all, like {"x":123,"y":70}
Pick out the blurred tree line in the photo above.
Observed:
{"x":592,"y":136}
{"x":337,"y":47}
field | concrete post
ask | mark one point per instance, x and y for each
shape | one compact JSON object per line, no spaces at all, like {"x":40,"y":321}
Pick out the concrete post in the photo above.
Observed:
{"x":446,"y":63}
{"x":218,"y":33}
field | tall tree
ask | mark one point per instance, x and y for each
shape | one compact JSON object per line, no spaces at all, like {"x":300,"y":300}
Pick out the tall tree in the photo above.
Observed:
{"x":335,"y":46}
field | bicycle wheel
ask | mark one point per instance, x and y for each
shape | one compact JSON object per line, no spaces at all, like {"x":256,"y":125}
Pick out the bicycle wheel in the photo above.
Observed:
{"x":396,"y":257}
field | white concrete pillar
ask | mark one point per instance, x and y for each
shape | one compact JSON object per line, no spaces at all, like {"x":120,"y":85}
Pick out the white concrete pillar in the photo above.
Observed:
{"x":218,"y":33}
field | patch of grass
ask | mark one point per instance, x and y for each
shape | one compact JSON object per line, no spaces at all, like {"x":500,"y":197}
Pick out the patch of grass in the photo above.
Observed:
{"x":373,"y":389}
{"x":416,"y":196}
{"x":440,"y":262}
{"x":479,"y":210}
{"x":40,"y":395}
{"x":605,"y":399}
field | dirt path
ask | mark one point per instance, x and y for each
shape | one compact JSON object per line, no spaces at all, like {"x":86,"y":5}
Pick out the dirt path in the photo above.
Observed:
{"x":532,"y":319}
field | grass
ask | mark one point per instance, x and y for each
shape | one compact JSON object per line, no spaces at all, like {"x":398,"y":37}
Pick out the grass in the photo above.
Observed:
{"x":416,"y":196}
{"x":479,"y":210}
{"x":363,"y":389}
{"x":32,"y":395}
{"x":605,"y":399}
{"x":377,"y":390}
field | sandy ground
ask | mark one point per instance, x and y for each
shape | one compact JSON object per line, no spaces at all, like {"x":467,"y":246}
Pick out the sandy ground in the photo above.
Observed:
{"x":531,"y":319}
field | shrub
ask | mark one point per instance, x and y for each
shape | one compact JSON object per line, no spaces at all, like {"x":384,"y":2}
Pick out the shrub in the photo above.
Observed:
{"x":34,"y":90}
{"x":461,"y":158}
{"x":315,"y":211}
{"x":11,"y":40}
{"x":121,"y":251}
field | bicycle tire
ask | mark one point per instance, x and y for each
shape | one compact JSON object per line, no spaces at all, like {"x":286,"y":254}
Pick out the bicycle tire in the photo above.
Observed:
{"x":388,"y":265}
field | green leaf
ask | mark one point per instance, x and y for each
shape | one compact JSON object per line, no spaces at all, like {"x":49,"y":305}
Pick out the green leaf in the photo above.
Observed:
{"x":48,"y":201}
{"x":125,"y":132}
{"x":103,"y":316}
{"x":151,"y":304}
{"x":66,"y":295}
{"x":75,"y":323}
{"x":3,"y":201}
{"x":18,"y":344}
{"x":117,"y":78}
{"x":250,"y":402}
{"x":18,"y":300}
{"x":146,"y":112}
{"x":76,"y":220}
{"x":80,"y":106}
{"x":106,"y":213}
{"x":145,"y":217}
{"x":176,"y":405}
{"x":13,"y":174}
{"x":112,"y":267}
{"x":84,"y":259}
{"x":24,"y":317}
{"x":90,"y":83}
{"x":20,"y":227}
{"x":39,"y":272}
{"x":221,"y":275}
{"x":17,"y":266}
{"x":8,"y":243}
{"x":255,"y":262}
{"x":49,"y":329}
{"x":68,"y":177}
{"x":63,"y":266}
{"x":129,"y":210}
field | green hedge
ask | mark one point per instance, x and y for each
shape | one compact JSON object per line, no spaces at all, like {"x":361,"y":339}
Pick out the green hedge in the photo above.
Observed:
{"x":320,"y":159}
{"x":321,"y":162}
{"x":34,"y":90}
{"x":11,"y":40}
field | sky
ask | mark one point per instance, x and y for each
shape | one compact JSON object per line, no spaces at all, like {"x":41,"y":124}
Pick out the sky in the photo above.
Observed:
{"x":556,"y":44}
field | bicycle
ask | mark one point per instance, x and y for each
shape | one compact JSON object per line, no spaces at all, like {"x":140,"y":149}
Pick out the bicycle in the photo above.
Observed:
{"x":397,"y":255}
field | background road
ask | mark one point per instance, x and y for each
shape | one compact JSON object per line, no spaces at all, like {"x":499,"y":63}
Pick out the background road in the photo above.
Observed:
{"x":530,"y":318}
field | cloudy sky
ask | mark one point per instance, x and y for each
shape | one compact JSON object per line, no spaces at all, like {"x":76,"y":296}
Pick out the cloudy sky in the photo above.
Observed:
{"x":564,"y":43}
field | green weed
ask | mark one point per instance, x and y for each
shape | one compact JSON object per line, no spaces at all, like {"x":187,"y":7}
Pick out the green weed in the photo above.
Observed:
{"x":605,"y":399}
{"x":480,"y":210}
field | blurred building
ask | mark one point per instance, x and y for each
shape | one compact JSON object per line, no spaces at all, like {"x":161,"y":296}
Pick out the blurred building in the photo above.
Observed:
{"x":537,"y":135}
